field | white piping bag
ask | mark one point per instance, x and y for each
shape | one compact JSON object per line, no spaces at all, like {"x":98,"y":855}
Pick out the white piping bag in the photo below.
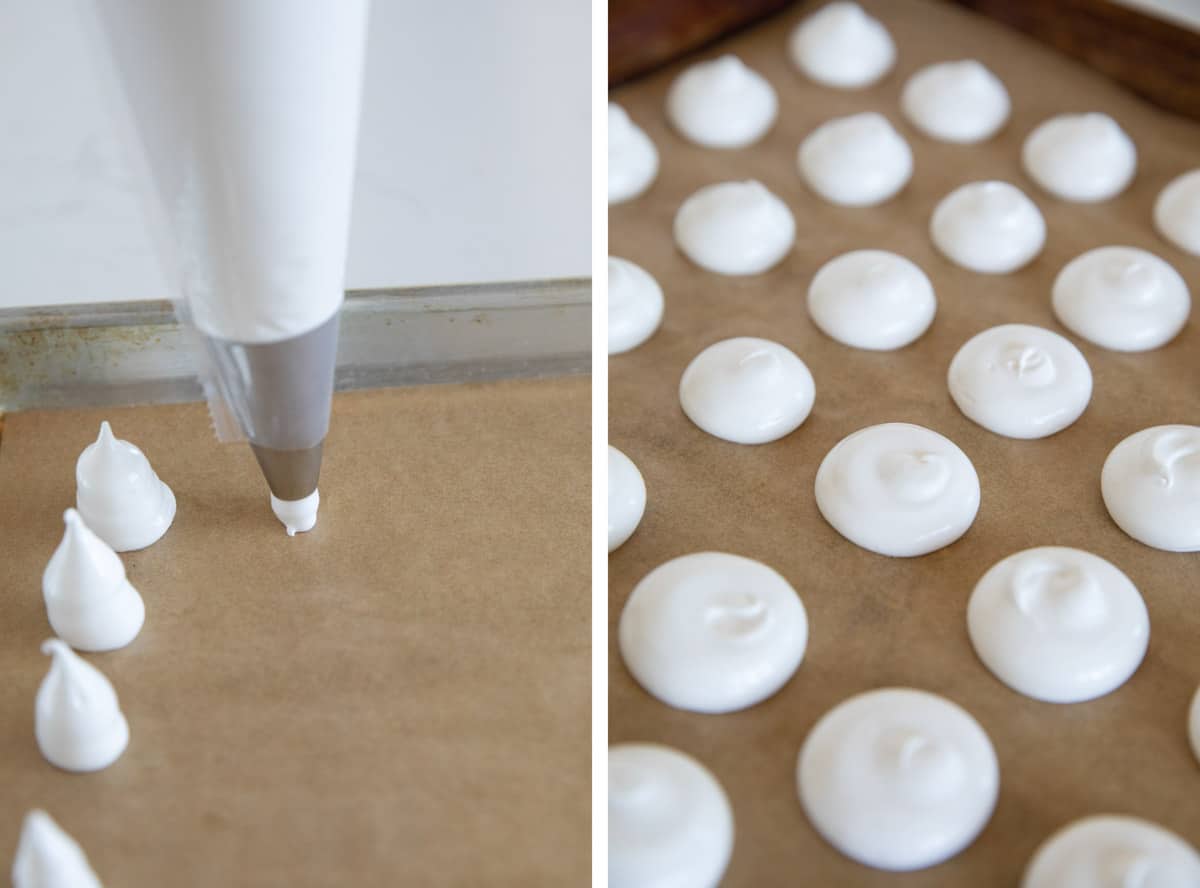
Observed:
{"x":244,"y":116}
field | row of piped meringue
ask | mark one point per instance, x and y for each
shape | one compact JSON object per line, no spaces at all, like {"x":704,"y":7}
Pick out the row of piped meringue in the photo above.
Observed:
{"x":122,"y":505}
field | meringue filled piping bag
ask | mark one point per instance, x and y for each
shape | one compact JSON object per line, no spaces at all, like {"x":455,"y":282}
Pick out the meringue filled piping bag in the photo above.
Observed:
{"x":243,"y":115}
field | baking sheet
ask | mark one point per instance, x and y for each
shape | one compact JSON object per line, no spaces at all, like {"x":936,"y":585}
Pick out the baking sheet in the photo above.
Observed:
{"x":875,"y":621}
{"x":399,"y":697}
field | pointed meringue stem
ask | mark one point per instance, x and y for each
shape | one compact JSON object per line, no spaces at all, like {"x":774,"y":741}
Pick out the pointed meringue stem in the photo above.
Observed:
{"x":55,"y":647}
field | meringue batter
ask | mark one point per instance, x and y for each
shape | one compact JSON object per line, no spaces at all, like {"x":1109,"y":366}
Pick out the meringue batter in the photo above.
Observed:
{"x":626,"y":498}
{"x":78,"y":721}
{"x":898,"y":489}
{"x":635,"y":305}
{"x":722,"y":104}
{"x":712,"y":632}
{"x":735,"y":228}
{"x":1080,"y":157}
{"x":1121,"y":298}
{"x":90,"y":603}
{"x":961,"y":102}
{"x":632,"y":157}
{"x":1104,"y":850}
{"x":990,"y":227}
{"x":872,"y":299}
{"x":1058,"y":624}
{"x":1151,"y":487}
{"x":898,"y":779}
{"x":747,"y":390}
{"x":1177,"y":212}
{"x":856,"y":161}
{"x":840,"y":45}
{"x":1020,"y":381}
{"x":669,"y":820}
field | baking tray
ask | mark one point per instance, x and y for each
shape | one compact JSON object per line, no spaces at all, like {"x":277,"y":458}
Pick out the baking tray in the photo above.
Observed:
{"x":875,"y":621}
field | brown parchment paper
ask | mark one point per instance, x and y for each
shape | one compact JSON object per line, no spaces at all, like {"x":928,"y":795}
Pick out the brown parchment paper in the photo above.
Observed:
{"x":400,"y":697}
{"x":875,"y":621}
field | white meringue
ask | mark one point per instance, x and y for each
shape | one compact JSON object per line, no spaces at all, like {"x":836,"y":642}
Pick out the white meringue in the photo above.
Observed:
{"x":747,"y":390}
{"x":1058,"y":624}
{"x":989,"y":227}
{"x":898,"y":489}
{"x":1020,"y":381}
{"x":1151,"y":487}
{"x":961,"y":102}
{"x":118,"y":494}
{"x":626,"y":498}
{"x":1121,"y":298}
{"x":1107,"y":850}
{"x":1177,"y":212}
{"x":297,"y":516}
{"x":712,"y":632}
{"x":90,"y":603}
{"x":840,"y":45}
{"x":735,"y":228}
{"x":77,"y":718}
{"x":635,"y":305}
{"x":898,"y":779}
{"x":1080,"y":157}
{"x":632,"y":157}
{"x":872,"y":299}
{"x":722,"y":104}
{"x":669,"y":820}
{"x":856,"y":161}
{"x":49,"y":858}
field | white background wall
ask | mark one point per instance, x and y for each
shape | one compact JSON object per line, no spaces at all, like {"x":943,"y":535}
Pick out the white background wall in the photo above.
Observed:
{"x":474,"y":154}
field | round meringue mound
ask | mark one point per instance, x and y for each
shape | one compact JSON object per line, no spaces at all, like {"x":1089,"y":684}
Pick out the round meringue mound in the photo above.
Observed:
{"x":632,"y":157}
{"x":635,"y":305}
{"x":1121,"y":298}
{"x":872,"y":299}
{"x":841,"y":46}
{"x":1177,"y":212}
{"x":735,"y":228}
{"x":961,"y":102}
{"x":722,"y":104}
{"x":856,"y":161}
{"x":1084,"y":158}
{"x":989,"y":227}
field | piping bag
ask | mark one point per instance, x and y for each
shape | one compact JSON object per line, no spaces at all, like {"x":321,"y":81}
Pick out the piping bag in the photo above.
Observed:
{"x":243,"y":118}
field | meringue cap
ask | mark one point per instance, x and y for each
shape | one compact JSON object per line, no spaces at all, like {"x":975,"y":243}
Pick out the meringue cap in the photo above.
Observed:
{"x":78,"y":719}
{"x":89,"y":601}
{"x":119,"y":494}
{"x":47,"y":857}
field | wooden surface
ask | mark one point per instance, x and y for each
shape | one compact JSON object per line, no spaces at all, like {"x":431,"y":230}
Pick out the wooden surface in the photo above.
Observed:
{"x":876,"y":621}
{"x":1158,"y":60}
{"x":400,"y":697}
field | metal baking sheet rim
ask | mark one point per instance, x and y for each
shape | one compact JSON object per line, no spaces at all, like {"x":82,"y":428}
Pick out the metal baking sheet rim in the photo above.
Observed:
{"x":136,"y":353}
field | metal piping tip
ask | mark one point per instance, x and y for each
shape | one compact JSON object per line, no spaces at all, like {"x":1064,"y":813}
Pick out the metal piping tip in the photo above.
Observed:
{"x":291,"y":474}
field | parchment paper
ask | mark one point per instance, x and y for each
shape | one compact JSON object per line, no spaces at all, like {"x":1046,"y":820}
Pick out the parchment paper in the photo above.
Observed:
{"x":398,"y":698}
{"x":875,"y":621}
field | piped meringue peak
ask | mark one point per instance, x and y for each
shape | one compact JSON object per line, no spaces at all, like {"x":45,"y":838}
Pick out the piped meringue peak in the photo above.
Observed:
{"x":632,"y":157}
{"x":840,"y":45}
{"x":77,"y":718}
{"x":722,"y":104}
{"x":961,"y":102}
{"x":119,"y":495}
{"x":90,"y":603}
{"x":1177,"y":212}
{"x":1080,"y":157}
{"x":1113,"y":850}
{"x":49,"y":858}
{"x":297,"y":516}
